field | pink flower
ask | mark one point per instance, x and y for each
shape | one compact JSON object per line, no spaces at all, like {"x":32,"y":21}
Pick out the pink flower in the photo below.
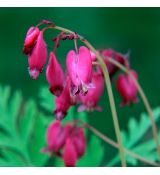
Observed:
{"x":55,"y":75}
{"x":93,"y":56}
{"x":69,"y":154}
{"x":63,"y":102}
{"x":90,"y":100}
{"x":56,"y":137}
{"x":30,"y":40}
{"x":74,"y":147}
{"x":38,"y":57}
{"x":79,"y":142}
{"x":79,"y":69}
{"x":112,"y":69}
{"x":127,"y":88}
{"x":67,"y":141}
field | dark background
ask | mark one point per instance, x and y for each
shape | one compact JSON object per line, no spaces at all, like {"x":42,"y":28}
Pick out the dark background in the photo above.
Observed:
{"x":137,"y":29}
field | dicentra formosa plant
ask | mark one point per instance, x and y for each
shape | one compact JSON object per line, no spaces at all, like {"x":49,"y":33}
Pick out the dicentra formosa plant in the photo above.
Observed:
{"x":81,"y":83}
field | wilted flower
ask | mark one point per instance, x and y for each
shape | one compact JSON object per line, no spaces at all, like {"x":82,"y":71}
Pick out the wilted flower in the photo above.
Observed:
{"x":90,"y":100}
{"x":127,"y":88}
{"x":38,"y":57}
{"x":79,"y":68}
{"x":55,"y":75}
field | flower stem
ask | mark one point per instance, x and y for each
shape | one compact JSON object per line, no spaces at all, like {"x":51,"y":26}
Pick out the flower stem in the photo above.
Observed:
{"x":145,"y":101}
{"x":111,"y":100}
{"x":112,"y":104}
{"x":110,"y":94}
{"x":114,"y":144}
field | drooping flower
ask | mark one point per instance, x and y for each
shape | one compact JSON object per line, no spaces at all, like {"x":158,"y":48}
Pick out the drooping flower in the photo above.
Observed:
{"x":38,"y":57}
{"x":67,"y":141}
{"x":79,"y":69}
{"x":55,"y":75}
{"x":30,"y":40}
{"x":90,"y":100}
{"x":56,"y":137}
{"x":112,"y":69}
{"x":93,"y":56}
{"x":79,"y":142}
{"x":74,"y":147}
{"x":69,"y":154}
{"x":63,"y":102}
{"x":127,"y":88}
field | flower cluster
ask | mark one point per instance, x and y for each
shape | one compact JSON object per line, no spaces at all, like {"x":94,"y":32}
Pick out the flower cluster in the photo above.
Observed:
{"x":82,"y":82}
{"x":67,"y":141}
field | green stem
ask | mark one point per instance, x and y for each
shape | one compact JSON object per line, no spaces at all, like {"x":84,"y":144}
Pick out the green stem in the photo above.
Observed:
{"x":142,"y":94}
{"x":114,"y":144}
{"x":110,"y":94}
{"x":144,"y":98}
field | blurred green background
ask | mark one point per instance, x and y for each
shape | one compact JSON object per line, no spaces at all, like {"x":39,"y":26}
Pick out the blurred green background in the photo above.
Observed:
{"x":121,"y":29}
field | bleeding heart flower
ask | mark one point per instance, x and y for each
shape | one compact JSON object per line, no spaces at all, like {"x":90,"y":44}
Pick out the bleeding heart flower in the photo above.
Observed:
{"x":67,"y":141}
{"x":127,"y":88}
{"x":55,"y":75}
{"x":63,"y":102}
{"x":38,"y":57}
{"x":90,"y":100}
{"x":112,"y":69}
{"x":93,"y":56}
{"x":79,"y":69}
{"x":69,"y":154}
{"x":79,"y":142}
{"x":56,"y":137}
{"x":30,"y":40}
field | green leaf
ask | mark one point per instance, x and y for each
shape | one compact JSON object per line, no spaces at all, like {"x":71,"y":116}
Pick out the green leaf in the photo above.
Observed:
{"x":94,"y":153}
{"x":22,"y":131}
{"x":27,"y":120}
{"x":38,"y":141}
{"x":46,"y":99}
{"x":136,"y":131}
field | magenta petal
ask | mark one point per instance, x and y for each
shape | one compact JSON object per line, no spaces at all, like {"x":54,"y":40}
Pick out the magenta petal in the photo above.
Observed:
{"x":69,"y":155}
{"x":79,"y":68}
{"x":30,"y":40}
{"x":55,"y":75}
{"x":127,"y":88}
{"x":91,"y":99}
{"x":38,"y":57}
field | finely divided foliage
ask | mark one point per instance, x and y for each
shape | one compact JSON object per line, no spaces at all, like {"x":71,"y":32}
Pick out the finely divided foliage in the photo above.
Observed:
{"x":23,"y":127}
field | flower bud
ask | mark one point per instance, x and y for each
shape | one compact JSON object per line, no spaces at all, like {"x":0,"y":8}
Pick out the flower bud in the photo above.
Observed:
{"x":79,"y":69}
{"x":55,"y":75}
{"x":90,"y":100}
{"x":69,"y":154}
{"x":127,"y":88}
{"x":30,"y":40}
{"x":38,"y":57}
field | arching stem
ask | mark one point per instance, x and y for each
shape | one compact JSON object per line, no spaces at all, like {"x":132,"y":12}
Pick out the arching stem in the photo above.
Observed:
{"x":114,"y":144}
{"x":110,"y":93}
{"x":144,"y":98}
